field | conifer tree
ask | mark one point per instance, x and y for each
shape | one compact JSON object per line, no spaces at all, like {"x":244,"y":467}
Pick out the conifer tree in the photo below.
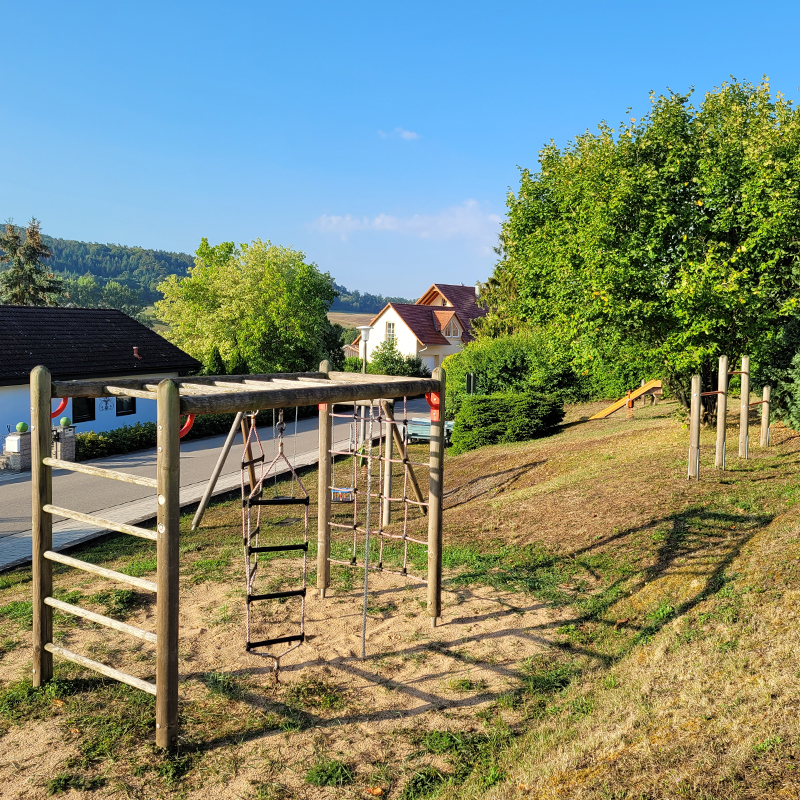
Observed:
{"x":26,"y":282}
{"x":215,"y":365}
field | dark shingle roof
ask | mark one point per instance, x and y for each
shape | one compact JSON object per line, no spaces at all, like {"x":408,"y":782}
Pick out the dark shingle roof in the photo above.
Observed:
{"x":81,"y":343}
{"x":462,"y":299}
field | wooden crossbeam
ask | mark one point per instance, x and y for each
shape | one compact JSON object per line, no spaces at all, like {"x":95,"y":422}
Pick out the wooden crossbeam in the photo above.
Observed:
{"x":123,"y":627}
{"x":103,"y":669}
{"x":112,"y":474}
{"x":139,"y":583}
{"x":100,"y":522}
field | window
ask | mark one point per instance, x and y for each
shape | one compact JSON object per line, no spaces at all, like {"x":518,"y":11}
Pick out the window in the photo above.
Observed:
{"x":390,"y":337}
{"x":125,"y":406}
{"x":452,"y":330}
{"x":82,"y":409}
{"x":444,"y":302}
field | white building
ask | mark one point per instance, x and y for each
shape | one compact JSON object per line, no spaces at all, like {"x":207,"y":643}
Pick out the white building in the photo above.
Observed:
{"x":434,"y":327}
{"x":81,"y":343}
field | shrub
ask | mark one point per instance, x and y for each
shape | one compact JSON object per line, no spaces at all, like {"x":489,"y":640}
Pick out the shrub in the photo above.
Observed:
{"x":388,"y":360}
{"x":504,"y":417}
{"x":519,"y":362}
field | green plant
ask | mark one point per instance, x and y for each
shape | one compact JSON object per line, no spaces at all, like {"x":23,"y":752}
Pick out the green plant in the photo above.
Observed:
{"x":423,"y":783}
{"x":504,"y":417}
{"x":66,"y":781}
{"x":312,"y":692}
{"x":330,"y":772}
{"x":224,"y":684}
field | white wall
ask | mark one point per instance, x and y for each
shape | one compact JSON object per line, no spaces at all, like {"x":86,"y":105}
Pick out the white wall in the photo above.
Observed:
{"x":406,"y":342}
{"x":15,"y":407}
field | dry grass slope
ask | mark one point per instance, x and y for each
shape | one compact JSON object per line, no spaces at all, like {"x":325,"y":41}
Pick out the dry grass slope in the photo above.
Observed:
{"x":612,"y":631}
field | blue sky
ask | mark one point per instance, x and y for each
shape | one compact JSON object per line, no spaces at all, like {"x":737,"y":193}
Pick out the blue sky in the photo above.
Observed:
{"x":381,"y":139}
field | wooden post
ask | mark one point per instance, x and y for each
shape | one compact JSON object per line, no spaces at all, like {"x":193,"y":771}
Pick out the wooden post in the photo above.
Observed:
{"x":168,"y":561}
{"x":212,"y":481}
{"x":722,"y":412}
{"x":388,"y":443}
{"x":435,"y":492}
{"x":42,"y":494}
{"x":694,"y":430}
{"x":765,"y":402}
{"x":744,"y":409}
{"x":324,"y":493}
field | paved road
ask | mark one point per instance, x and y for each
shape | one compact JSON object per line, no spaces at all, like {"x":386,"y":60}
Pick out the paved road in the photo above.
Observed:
{"x":89,"y":494}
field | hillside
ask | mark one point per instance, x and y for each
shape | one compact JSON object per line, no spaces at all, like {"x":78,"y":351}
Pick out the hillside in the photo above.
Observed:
{"x":142,"y":270}
{"x":610,"y":631}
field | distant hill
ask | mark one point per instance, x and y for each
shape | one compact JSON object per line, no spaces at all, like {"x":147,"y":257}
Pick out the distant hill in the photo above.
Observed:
{"x":143,"y":270}
{"x":357,"y":303}
{"x":136,"y":267}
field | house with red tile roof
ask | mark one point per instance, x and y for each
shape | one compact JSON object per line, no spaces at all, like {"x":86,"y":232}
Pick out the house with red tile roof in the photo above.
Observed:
{"x":437,"y":325}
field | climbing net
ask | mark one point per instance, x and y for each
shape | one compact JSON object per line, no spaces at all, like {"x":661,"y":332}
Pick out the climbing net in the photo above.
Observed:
{"x":252,"y":502}
{"x":381,"y":426}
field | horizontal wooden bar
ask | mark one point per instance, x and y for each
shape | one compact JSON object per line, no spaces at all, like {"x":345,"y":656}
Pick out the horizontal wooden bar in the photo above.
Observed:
{"x":758,"y":402}
{"x":77,"y":611}
{"x":139,"y":583}
{"x":298,"y":637}
{"x":706,"y":394}
{"x":91,"y":519}
{"x":276,"y":595}
{"x":305,"y":395}
{"x":96,"y":388}
{"x":112,"y":474}
{"x":103,"y":669}
{"x":738,"y":373}
{"x":121,"y":391}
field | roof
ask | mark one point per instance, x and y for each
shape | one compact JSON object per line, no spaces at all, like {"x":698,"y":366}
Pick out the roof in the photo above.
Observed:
{"x":426,"y":323}
{"x":78,"y":343}
{"x":462,"y":298}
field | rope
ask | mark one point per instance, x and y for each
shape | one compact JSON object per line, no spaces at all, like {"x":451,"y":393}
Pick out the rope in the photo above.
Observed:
{"x":366,"y":540}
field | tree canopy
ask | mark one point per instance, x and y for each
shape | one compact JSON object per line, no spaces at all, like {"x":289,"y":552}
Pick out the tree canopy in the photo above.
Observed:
{"x":27,"y":281}
{"x":260,"y":304}
{"x":678,"y":231}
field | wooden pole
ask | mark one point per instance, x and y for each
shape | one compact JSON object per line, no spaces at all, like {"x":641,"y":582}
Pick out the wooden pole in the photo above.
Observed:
{"x":42,"y":495}
{"x":765,"y":416}
{"x":168,"y":559}
{"x":324,"y":493}
{"x":744,"y":409}
{"x":212,"y":481}
{"x":722,"y":412}
{"x":435,"y":492}
{"x":694,"y":430}
{"x":412,"y":476}
{"x":388,"y":443}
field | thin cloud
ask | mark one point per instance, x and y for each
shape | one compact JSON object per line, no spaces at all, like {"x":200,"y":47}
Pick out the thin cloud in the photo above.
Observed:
{"x":400,"y":133}
{"x":467,"y":221}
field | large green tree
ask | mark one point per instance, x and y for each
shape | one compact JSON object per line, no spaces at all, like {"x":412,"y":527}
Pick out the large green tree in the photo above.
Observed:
{"x":26,"y":282}
{"x":679,"y":232}
{"x":259,"y":303}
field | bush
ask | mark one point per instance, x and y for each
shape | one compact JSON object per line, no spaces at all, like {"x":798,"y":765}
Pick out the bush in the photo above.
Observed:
{"x":528,"y":361}
{"x":388,"y":360}
{"x":504,"y":417}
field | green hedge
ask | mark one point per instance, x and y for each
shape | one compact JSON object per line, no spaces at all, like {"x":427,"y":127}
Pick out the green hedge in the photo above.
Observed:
{"x":504,"y":417}
{"x":142,"y":435}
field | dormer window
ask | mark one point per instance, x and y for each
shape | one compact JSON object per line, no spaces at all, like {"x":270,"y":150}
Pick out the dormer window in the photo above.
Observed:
{"x":444,"y":302}
{"x":452,"y":330}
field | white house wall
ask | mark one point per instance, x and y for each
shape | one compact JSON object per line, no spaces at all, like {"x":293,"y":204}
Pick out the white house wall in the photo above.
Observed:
{"x":406,"y":342}
{"x":15,"y":407}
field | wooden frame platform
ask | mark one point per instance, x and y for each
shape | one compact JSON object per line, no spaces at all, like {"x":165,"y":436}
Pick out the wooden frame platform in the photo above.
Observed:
{"x":215,"y":394}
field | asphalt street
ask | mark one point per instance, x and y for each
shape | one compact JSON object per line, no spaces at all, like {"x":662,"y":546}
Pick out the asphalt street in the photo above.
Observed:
{"x":89,"y":494}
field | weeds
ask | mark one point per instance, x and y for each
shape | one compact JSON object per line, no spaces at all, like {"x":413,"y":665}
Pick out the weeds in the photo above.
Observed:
{"x":330,"y":772}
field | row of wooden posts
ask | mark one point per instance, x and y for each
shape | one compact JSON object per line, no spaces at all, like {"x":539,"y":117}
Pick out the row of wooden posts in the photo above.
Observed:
{"x":722,"y":411}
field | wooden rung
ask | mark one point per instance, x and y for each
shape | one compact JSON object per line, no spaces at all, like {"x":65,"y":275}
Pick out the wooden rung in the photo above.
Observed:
{"x":91,"y":519}
{"x":100,"y":619}
{"x":103,"y":669}
{"x":140,"y":583}
{"x":88,"y":469}
{"x":299,"y":637}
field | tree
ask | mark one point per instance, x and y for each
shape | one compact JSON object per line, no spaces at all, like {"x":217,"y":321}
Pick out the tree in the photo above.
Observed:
{"x":258,"y":302}
{"x":26,"y":282}
{"x":386,"y":359}
{"x":214,"y":365}
{"x":87,"y":292}
{"x":679,"y":233}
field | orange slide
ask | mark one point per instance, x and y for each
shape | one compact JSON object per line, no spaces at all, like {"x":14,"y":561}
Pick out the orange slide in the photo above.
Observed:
{"x":651,"y":387}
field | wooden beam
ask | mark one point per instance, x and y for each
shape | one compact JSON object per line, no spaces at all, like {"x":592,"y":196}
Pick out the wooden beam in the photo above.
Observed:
{"x":122,"y":627}
{"x":91,"y":519}
{"x":168,"y":559}
{"x":435,"y":495}
{"x":722,"y":412}
{"x":694,"y":430}
{"x":42,"y":524}
{"x":68,"y":561}
{"x":305,"y":395}
{"x":103,"y":669}
{"x":324,"y":494}
{"x":744,"y":409}
{"x":88,"y":469}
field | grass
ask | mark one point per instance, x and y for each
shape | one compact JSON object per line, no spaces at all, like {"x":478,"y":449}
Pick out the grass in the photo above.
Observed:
{"x":671,"y":671}
{"x":330,"y":772}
